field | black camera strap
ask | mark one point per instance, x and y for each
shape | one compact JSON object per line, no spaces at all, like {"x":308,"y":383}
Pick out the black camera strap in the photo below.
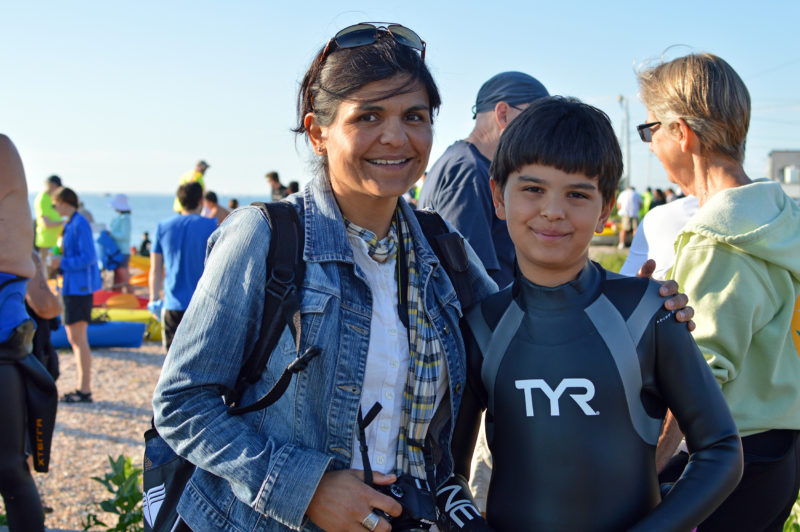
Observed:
{"x":363,"y":422}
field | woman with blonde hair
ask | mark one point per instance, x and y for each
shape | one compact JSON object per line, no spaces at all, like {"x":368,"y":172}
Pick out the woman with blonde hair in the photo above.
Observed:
{"x":738,"y":259}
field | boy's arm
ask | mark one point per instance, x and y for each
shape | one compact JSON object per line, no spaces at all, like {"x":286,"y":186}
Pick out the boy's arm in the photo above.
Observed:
{"x":473,"y":403}
{"x":454,"y":499}
{"x":715,"y":452}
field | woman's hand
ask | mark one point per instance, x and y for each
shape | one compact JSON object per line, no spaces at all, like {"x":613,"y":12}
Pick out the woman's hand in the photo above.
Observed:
{"x":342,"y":501}
{"x":670,"y":288}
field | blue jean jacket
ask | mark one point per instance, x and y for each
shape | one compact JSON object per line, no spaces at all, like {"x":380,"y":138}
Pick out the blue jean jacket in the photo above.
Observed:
{"x":259,"y":471}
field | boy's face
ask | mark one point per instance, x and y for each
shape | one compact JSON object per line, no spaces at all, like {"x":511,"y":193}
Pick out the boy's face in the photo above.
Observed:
{"x":551,"y":218}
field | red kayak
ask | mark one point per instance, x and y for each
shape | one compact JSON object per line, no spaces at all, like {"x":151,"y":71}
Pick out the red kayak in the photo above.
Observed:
{"x":103,"y":298}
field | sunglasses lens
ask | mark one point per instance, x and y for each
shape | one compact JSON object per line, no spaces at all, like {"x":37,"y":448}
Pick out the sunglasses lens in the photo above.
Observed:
{"x":405,"y":36}
{"x":357,"y":35}
{"x":645,"y":133}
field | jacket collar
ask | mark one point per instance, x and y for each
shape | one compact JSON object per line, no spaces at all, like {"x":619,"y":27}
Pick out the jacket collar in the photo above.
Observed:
{"x":325,"y":233}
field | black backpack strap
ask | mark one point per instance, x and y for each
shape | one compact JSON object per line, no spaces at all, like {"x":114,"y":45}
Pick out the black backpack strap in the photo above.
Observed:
{"x":449,"y":247}
{"x":285,"y":273}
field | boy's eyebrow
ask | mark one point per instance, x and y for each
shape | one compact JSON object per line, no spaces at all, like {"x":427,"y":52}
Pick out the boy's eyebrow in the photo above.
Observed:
{"x":580,"y":185}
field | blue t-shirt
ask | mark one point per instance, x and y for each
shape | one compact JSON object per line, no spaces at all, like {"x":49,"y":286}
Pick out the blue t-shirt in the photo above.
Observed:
{"x":182,"y":241}
{"x":457,"y":187}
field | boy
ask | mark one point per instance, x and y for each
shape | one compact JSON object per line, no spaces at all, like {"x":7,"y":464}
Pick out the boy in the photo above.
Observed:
{"x":577,"y":366}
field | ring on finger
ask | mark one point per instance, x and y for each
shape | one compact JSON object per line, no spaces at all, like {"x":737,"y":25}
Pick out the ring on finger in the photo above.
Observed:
{"x":370,"y":521}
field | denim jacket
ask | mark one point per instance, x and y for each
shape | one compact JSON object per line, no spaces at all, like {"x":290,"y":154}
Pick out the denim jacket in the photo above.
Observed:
{"x":259,"y":471}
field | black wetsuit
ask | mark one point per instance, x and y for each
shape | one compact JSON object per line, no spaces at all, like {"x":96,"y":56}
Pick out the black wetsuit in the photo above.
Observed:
{"x":577,"y":379}
{"x":23,"y":507}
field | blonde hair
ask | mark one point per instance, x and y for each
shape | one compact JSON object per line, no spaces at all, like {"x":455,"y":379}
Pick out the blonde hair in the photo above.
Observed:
{"x":707,"y":94}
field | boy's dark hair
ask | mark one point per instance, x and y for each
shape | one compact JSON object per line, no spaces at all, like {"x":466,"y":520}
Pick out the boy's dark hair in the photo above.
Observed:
{"x":66,"y":195}
{"x":293,"y":186}
{"x":563,"y":133}
{"x":211,"y":196}
{"x":189,"y":195}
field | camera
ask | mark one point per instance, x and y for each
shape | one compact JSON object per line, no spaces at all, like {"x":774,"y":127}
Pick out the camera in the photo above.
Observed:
{"x":419,"y":504}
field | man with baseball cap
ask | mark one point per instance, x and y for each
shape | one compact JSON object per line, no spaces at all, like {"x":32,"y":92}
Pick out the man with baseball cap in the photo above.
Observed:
{"x":457,"y":185}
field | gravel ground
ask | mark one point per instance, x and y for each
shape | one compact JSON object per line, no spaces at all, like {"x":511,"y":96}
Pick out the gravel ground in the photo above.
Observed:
{"x":86,"y":434}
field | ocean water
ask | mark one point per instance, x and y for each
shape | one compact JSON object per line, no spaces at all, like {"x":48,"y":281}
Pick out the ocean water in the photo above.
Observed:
{"x":146,"y":210}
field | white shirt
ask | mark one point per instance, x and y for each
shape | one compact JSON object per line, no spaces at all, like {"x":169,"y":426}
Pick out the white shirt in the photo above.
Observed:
{"x":628,"y":203}
{"x":388,"y":362}
{"x":656,"y":236}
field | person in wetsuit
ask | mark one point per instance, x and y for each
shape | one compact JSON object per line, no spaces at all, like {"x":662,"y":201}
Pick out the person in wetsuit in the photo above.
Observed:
{"x":23,"y":507}
{"x":576,"y":366}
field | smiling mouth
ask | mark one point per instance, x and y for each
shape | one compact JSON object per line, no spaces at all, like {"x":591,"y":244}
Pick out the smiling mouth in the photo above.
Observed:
{"x":547,"y":235}
{"x":389,"y":162}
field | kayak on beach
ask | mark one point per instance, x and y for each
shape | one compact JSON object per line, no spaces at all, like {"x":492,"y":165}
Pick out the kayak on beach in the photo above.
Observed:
{"x":106,"y":334}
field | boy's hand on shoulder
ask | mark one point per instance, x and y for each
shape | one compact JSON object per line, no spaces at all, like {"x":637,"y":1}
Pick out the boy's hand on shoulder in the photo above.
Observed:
{"x":678,"y":302}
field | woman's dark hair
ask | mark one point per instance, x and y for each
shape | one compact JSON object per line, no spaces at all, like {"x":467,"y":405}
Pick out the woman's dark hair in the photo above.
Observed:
{"x":66,"y":195}
{"x":563,"y":133}
{"x":335,"y":76}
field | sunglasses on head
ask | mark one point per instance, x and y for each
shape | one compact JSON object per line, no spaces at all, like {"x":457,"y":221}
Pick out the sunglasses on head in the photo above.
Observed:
{"x":365,"y":33}
{"x":646,"y":131}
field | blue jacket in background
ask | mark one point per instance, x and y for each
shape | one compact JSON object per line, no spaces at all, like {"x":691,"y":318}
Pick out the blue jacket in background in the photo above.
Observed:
{"x":79,"y":260}
{"x":259,"y":471}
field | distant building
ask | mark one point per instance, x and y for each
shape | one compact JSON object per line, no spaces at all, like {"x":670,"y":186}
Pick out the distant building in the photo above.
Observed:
{"x":784,"y":167}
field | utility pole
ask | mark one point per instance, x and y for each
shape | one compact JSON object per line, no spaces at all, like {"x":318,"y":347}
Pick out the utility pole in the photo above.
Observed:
{"x":626,"y":137}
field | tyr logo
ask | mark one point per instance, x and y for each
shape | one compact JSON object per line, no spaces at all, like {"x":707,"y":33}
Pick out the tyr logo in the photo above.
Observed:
{"x":581,"y":399}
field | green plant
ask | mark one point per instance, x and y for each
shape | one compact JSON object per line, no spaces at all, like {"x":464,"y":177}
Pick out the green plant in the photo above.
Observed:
{"x":793,"y":523}
{"x":126,"y":497}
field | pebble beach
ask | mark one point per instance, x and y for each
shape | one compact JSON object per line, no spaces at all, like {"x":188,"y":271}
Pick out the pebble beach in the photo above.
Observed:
{"x":86,"y":434}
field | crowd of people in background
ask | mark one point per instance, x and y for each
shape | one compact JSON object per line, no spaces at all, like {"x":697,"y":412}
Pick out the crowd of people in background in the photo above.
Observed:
{"x":459,"y":409}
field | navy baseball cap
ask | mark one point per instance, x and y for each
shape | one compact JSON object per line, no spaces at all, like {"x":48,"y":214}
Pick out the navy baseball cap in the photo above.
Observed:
{"x":514,"y":88}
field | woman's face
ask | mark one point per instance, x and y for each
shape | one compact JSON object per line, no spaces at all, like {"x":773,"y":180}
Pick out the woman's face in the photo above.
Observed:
{"x":62,"y":208}
{"x":377,"y":149}
{"x":668,"y":150}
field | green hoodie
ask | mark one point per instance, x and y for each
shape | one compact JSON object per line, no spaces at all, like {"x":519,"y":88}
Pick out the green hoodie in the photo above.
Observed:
{"x":738,"y":259}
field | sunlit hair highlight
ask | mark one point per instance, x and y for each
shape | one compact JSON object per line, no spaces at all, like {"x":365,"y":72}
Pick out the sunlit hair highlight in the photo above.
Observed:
{"x":707,"y":93}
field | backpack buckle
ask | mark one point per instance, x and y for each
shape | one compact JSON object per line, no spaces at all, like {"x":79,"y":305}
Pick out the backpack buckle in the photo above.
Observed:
{"x":299,"y":364}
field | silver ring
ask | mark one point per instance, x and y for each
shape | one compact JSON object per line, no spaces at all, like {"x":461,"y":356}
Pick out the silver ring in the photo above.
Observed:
{"x":370,"y":522}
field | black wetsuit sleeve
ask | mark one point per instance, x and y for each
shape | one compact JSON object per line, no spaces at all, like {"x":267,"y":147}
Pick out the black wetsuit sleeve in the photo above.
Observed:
{"x":715,"y":461}
{"x":473,"y":402}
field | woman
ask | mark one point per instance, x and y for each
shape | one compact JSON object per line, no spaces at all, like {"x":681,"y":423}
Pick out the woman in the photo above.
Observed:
{"x":366,"y":106}
{"x":81,"y":278}
{"x":738,"y":259}
{"x":120,"y":229}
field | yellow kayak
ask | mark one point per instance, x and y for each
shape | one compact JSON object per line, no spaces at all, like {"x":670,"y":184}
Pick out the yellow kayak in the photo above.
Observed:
{"x":153,"y":326}
{"x":140,"y":262}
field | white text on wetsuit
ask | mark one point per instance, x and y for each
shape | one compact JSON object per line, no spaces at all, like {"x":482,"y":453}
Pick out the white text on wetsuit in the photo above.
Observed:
{"x":581,"y":399}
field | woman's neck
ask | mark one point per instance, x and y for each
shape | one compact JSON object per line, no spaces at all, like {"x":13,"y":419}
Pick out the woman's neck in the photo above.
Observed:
{"x":713,"y":175}
{"x":374,"y":214}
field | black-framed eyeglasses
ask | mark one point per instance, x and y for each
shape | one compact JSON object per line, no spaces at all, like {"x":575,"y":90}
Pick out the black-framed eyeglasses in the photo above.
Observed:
{"x":365,"y":33}
{"x":646,"y":131}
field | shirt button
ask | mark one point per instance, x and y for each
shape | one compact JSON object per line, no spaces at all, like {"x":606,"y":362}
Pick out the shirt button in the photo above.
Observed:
{"x":389,"y":394}
{"x":458,"y":388}
{"x":394,"y":363}
{"x":446,"y":330}
{"x":393,"y":332}
{"x":384,"y":427}
{"x":380,"y":460}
